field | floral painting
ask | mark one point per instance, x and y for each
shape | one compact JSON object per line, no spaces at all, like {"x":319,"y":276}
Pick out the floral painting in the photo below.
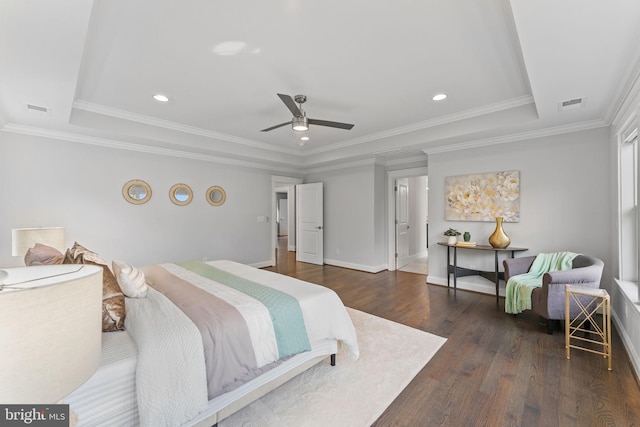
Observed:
{"x":483,"y":197}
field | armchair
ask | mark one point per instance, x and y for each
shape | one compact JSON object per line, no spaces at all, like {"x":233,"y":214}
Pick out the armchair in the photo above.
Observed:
{"x":548,"y":301}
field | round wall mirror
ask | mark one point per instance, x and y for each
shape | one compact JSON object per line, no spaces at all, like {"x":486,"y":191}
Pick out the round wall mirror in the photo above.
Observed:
{"x":181,"y":194}
{"x":216,"y":195}
{"x":136,"y":191}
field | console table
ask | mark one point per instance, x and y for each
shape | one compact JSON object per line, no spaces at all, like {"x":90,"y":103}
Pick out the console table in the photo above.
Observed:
{"x":493,"y":276}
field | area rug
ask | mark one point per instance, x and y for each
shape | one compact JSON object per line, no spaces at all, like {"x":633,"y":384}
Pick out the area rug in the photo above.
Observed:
{"x":352,"y":393}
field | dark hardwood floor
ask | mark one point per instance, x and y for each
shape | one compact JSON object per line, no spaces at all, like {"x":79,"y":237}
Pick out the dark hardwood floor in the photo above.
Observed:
{"x":495,"y":369}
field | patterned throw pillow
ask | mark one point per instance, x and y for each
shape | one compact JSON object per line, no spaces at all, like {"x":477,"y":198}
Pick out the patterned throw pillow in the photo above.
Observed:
{"x":113,"y":309}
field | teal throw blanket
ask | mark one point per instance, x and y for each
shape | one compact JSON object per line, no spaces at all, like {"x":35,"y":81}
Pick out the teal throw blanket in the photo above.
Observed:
{"x":285,"y":311}
{"x":519,"y":287}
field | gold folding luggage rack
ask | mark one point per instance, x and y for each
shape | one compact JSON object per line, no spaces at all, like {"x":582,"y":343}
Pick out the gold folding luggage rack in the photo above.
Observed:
{"x":599,"y":333}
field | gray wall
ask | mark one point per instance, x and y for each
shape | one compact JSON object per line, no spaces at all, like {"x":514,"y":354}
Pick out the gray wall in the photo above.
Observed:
{"x":564,"y":193}
{"x":45,"y":182}
{"x":354,"y":216}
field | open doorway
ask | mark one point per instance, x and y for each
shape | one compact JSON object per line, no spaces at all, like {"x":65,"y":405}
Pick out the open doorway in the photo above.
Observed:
{"x":408,"y":220}
{"x":283,"y":239}
{"x":412,"y":214}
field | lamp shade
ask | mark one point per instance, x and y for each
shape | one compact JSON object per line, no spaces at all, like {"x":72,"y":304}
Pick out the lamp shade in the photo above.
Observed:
{"x":24,"y":238}
{"x":51,"y":334}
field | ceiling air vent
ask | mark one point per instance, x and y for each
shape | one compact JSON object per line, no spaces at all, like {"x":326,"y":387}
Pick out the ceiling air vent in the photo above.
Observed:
{"x":572,"y":104}
{"x":37,"y":109}
{"x":395,"y":153}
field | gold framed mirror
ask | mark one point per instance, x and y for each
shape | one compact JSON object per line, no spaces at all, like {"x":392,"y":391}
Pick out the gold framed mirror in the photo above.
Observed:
{"x":136,"y":191}
{"x":216,"y":195}
{"x":181,"y":194}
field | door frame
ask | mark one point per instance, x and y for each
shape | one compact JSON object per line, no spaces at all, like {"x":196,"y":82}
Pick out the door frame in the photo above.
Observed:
{"x":279,"y":181}
{"x":391,"y":209}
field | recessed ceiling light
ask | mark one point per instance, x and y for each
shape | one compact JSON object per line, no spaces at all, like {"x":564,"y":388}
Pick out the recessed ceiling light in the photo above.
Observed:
{"x":160,"y":97}
{"x":439,"y":97}
{"x":229,"y":48}
{"x":305,"y":138}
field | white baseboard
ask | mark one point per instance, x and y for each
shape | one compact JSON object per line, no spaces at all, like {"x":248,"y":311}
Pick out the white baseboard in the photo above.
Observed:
{"x":261,"y":264}
{"x":474,"y":283}
{"x":418,"y":255}
{"x":628,"y":344}
{"x":624,"y":298}
{"x":367,"y":268}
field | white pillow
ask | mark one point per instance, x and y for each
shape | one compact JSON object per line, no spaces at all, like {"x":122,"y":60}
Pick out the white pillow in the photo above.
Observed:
{"x":130,"y":279}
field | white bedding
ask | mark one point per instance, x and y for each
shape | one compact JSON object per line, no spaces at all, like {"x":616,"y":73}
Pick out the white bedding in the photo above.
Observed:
{"x":171,"y":383}
{"x":324,"y":314}
{"x":110,"y":393}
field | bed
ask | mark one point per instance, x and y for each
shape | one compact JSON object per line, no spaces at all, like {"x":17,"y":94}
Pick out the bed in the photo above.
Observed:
{"x":166,"y":368}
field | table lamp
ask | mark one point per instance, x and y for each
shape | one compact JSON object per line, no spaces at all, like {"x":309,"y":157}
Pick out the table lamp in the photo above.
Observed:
{"x":24,"y":238}
{"x":51,"y":331}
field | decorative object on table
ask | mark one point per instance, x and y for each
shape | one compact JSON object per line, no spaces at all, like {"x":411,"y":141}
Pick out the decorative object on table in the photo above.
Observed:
{"x":483,"y":196}
{"x":466,"y":236}
{"x":466,"y":244}
{"x":51,"y":335}
{"x":452,"y":236}
{"x":499,"y":238}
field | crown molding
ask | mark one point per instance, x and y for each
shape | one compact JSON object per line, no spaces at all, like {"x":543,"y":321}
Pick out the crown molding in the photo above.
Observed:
{"x":450,"y":118}
{"x":139,"y":118}
{"x":628,"y":93}
{"x":340,"y":166}
{"x":166,"y":124}
{"x":406,"y":160}
{"x":539,"y":133}
{"x":111,"y":143}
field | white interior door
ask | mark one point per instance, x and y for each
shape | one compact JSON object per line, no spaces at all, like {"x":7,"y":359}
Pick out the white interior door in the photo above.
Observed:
{"x":310,"y":223}
{"x":402,"y":222}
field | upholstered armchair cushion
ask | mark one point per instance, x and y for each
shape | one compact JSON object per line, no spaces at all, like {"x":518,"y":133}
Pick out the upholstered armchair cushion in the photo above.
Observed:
{"x":549,"y":300}
{"x":516,"y":266}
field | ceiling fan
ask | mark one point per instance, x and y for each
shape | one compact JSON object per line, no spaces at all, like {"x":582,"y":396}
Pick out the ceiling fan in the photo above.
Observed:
{"x":300,"y":122}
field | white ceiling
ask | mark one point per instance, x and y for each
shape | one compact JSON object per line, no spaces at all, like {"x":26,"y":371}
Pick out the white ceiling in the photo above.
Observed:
{"x":504,"y":64}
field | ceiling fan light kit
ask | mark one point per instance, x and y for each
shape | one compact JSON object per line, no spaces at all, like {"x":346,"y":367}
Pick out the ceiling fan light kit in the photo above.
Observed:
{"x":300,"y":124}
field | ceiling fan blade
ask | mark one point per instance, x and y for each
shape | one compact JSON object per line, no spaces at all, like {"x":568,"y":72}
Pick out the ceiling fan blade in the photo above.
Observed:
{"x":276,"y":126}
{"x":330,"y":124}
{"x":291,"y":105}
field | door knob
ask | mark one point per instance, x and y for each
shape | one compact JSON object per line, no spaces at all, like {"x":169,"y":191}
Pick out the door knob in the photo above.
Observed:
{"x":319,"y":227}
